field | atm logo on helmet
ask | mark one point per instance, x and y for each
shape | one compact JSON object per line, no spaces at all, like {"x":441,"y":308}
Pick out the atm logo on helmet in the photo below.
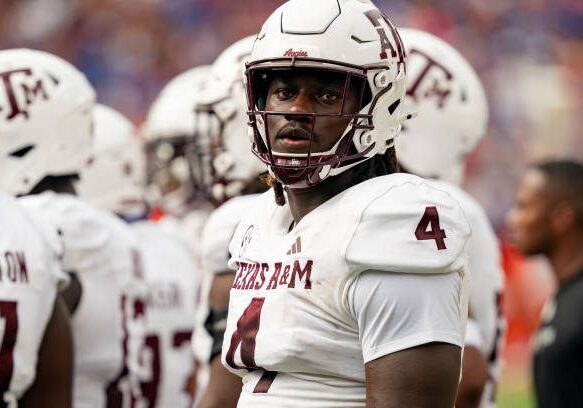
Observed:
{"x":427,"y":85}
{"x":377,"y":19}
{"x":293,"y":53}
{"x":20,"y":81}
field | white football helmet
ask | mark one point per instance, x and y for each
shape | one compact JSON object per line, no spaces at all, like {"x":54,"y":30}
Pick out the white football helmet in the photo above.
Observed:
{"x":174,"y":173}
{"x":451,"y":104}
{"x":115,"y":178}
{"x":222,"y":123}
{"x":45,"y":119}
{"x":351,"y":37}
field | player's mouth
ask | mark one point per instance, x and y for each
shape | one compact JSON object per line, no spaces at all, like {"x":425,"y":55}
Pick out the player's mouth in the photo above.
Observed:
{"x":293,"y":140}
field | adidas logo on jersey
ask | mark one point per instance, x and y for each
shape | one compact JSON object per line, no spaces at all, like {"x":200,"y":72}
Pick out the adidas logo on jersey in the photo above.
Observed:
{"x":296,"y":247}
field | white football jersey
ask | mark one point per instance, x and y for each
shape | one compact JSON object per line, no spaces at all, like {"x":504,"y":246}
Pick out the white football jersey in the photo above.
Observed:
{"x":30,"y":275}
{"x":216,"y":236}
{"x":108,"y":324}
{"x":218,"y":232}
{"x":376,"y":269}
{"x":190,"y":228}
{"x":173,"y":282}
{"x":486,"y":326}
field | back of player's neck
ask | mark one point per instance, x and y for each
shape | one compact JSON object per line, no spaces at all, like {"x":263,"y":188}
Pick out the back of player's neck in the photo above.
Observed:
{"x":61,"y":185}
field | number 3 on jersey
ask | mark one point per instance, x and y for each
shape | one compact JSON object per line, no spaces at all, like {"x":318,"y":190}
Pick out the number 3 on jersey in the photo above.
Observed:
{"x":429,"y":228}
{"x":247,"y":328}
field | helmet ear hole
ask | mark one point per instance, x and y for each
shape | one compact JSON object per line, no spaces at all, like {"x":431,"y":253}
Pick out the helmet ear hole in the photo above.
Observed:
{"x":394,"y":106}
{"x":20,"y":153}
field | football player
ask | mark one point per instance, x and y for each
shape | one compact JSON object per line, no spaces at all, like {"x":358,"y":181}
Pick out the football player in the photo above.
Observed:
{"x":233,"y":184}
{"x":36,"y":350}
{"x":350,"y":283}
{"x":176,"y":179}
{"x":115,"y":181}
{"x":53,"y":102}
{"x":452,"y":115}
{"x":174,"y":161}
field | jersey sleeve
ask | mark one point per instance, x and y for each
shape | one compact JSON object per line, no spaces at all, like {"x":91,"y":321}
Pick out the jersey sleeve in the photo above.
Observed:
{"x":397,"y":311}
{"x":54,"y":248}
{"x":219,"y":231}
{"x":54,"y":255}
{"x":216,"y":237}
{"x":410,"y":228}
{"x":474,"y":336}
{"x":487,"y":278}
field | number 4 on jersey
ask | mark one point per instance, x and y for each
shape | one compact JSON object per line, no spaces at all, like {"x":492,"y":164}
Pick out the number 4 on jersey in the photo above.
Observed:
{"x":244,"y":336}
{"x":429,"y":228}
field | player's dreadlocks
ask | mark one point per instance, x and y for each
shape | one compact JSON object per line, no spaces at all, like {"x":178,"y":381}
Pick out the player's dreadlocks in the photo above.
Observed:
{"x":379,"y":165}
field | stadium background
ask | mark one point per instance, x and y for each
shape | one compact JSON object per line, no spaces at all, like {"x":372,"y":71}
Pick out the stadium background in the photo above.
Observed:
{"x":529,"y":54}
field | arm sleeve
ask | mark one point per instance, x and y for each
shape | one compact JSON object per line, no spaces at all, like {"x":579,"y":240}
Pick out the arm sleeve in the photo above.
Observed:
{"x":218,"y":232}
{"x":396,"y":311}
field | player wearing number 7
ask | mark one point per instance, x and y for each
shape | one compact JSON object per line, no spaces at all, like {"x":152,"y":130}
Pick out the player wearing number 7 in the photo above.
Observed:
{"x":45,"y":144}
{"x":350,"y":286}
{"x":36,"y":348}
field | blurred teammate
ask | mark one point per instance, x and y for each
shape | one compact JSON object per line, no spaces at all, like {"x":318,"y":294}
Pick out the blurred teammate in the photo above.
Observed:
{"x":115,"y":181}
{"x":450,"y":101}
{"x":176,"y":175}
{"x":349,"y":289}
{"x":36,"y":350}
{"x":174,"y":169}
{"x":547,"y":219}
{"x":53,"y":102}
{"x":234,"y":180}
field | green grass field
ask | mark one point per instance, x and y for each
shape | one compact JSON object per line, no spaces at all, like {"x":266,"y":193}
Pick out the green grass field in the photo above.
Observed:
{"x":515,"y":399}
{"x":515,"y":391}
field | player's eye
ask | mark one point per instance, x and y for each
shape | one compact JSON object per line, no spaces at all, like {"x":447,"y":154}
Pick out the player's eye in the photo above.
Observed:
{"x":329,"y":97}
{"x":284,"y":94}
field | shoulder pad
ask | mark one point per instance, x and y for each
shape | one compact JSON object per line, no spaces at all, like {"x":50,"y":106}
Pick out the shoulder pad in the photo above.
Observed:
{"x":258,"y":214}
{"x":407,"y":225}
{"x":91,"y":238}
{"x":219,"y":230}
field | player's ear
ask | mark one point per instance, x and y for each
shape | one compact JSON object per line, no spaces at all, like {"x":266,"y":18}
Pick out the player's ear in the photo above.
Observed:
{"x":563,"y":217}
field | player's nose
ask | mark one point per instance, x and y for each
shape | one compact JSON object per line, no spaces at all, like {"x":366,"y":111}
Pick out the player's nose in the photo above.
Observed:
{"x":302,"y":103}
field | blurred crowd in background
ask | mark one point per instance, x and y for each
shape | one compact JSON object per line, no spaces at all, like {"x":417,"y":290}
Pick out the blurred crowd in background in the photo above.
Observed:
{"x":529,"y":54}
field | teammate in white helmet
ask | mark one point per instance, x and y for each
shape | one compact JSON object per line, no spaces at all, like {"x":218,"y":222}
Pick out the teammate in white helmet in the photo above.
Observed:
{"x":178,"y":180}
{"x":350,"y":289}
{"x":174,"y":160}
{"x":233,"y":186}
{"x":49,"y":137}
{"x":115,"y":181}
{"x":452,"y":115}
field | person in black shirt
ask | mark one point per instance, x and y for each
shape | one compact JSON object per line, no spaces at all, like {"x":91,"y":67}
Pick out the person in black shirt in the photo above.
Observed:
{"x":547,"y":219}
